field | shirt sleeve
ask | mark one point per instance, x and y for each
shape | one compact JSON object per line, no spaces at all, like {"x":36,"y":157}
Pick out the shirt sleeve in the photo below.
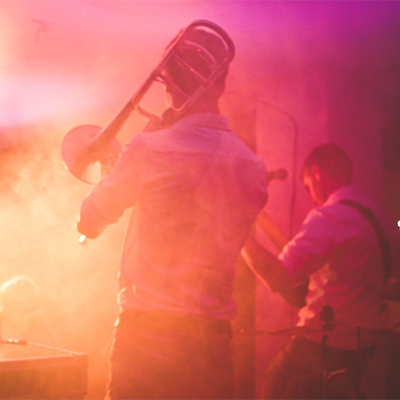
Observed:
{"x":116,"y":192}
{"x":309,"y":250}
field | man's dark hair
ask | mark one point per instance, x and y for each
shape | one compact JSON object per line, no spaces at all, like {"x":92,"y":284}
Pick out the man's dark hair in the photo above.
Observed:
{"x":201,"y":50}
{"x":332,"y":159}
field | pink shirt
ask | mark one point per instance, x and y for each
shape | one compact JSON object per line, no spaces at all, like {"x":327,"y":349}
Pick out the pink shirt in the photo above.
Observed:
{"x":197,"y":189}
{"x":338,"y":249}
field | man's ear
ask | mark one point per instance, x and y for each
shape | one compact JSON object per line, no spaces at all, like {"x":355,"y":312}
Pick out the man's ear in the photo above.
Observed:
{"x":316,"y":172}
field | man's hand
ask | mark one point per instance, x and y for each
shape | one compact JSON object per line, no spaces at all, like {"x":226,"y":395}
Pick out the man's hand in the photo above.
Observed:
{"x":89,"y":233}
{"x":270,"y":270}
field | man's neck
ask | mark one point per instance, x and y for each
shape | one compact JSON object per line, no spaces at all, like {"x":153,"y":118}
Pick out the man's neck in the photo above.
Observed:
{"x":203,"y":107}
{"x":334,"y":187}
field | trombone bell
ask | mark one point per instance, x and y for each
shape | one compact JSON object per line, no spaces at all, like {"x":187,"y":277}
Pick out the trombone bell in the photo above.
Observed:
{"x":81,"y":156}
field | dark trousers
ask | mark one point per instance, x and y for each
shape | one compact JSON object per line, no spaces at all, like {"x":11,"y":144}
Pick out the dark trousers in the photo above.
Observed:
{"x":308,"y":370}
{"x":157,"y":356}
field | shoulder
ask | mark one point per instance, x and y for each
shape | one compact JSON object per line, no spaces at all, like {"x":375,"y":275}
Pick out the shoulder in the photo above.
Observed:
{"x":319,"y":221}
{"x":334,"y":223}
{"x":138,"y":142}
{"x":353,"y":193}
{"x":336,"y":218}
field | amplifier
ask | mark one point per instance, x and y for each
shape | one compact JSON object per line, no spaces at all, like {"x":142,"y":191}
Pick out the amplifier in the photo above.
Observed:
{"x":34,"y":371}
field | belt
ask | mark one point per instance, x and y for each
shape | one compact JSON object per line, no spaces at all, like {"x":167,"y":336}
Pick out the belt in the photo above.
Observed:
{"x":169,"y":321}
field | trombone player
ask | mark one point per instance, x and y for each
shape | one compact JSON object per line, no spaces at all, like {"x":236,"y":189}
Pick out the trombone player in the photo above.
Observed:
{"x":197,"y":189}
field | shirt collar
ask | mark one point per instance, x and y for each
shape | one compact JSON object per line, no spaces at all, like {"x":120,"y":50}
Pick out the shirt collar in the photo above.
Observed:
{"x":205,"y":120}
{"x":345,"y":192}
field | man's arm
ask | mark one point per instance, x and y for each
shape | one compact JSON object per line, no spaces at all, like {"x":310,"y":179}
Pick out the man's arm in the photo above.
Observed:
{"x":272,"y":273}
{"x":271,"y":230}
{"x":115,"y":193}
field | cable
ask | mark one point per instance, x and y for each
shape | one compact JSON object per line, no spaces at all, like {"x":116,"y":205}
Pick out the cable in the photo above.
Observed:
{"x":294,"y":162}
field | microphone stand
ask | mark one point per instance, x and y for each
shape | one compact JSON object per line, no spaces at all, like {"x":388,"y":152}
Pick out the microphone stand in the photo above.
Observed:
{"x":358,"y":382}
{"x":323,"y":366}
{"x":326,"y":315}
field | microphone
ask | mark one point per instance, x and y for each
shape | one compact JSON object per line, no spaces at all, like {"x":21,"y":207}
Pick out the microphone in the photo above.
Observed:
{"x":278,"y":174}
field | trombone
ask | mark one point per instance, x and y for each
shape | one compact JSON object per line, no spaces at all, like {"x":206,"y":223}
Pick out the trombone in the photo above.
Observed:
{"x":89,"y":152}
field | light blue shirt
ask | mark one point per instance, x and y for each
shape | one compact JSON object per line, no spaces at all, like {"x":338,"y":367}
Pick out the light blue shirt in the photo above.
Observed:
{"x":197,"y":190}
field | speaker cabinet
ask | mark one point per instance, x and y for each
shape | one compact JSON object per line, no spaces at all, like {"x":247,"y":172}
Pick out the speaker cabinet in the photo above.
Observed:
{"x":33,"y":371}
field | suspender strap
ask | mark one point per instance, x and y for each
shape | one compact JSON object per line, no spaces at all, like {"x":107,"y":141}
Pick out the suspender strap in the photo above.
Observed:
{"x":384,"y":244}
